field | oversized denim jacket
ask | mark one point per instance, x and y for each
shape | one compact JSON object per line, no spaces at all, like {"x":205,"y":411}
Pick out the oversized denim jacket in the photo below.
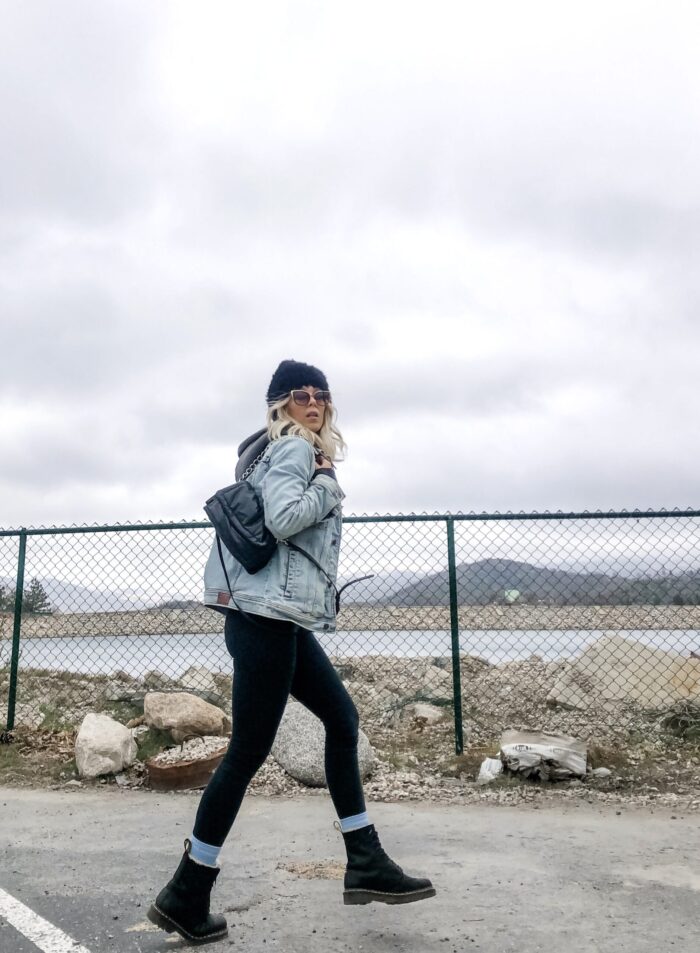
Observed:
{"x":302,"y":505}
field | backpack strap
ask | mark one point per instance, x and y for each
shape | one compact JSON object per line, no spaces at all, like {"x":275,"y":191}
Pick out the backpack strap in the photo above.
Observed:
{"x":319,"y":566}
{"x":228,"y":583}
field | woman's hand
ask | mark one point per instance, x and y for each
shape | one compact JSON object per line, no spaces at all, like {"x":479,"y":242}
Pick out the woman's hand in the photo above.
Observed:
{"x":322,"y":462}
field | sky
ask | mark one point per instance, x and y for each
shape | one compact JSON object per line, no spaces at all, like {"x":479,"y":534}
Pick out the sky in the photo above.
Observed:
{"x":481,"y":221}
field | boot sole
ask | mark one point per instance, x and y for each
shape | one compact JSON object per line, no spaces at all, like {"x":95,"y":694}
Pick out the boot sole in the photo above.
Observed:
{"x":378,"y":896}
{"x":170,"y":926}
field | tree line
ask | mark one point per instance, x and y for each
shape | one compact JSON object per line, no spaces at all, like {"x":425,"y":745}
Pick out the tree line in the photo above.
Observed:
{"x":35,"y":600}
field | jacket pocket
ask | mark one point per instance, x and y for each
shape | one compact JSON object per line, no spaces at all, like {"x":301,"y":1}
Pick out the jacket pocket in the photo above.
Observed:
{"x":291,"y":573}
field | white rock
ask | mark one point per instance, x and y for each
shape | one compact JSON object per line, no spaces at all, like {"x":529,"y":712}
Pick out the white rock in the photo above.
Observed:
{"x":117,"y":690}
{"x":103,"y":746}
{"x":490,"y":769}
{"x":568,"y":693}
{"x":601,"y":772}
{"x":183,"y":715}
{"x":199,"y":678}
{"x":422,"y":713}
{"x":155,"y":679}
{"x":439,"y":681}
{"x":300,"y":746}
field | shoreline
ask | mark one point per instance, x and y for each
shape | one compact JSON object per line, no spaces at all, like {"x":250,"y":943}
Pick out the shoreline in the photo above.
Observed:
{"x":204,"y":621}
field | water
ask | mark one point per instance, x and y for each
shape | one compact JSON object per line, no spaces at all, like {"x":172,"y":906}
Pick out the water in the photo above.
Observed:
{"x":174,"y":654}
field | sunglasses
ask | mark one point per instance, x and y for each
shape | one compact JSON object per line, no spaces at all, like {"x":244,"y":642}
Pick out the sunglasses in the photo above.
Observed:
{"x":303,"y":397}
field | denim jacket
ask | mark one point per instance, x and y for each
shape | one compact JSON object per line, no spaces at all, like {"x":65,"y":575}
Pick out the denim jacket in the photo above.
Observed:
{"x":302,"y":505}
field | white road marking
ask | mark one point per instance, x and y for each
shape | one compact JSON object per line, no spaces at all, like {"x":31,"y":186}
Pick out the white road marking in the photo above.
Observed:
{"x":42,"y":933}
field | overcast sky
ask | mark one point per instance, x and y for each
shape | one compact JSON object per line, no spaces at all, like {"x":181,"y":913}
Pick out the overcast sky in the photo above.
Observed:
{"x":481,"y":221}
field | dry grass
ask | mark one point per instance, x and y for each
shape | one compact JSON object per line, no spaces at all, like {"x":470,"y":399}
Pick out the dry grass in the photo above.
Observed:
{"x":469,"y":761}
{"x":38,"y":757}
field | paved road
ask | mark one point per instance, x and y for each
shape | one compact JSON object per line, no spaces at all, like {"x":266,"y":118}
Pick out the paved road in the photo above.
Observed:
{"x":509,"y":879}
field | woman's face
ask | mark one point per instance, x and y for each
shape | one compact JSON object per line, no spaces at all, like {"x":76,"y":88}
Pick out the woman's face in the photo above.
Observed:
{"x":310,"y":416}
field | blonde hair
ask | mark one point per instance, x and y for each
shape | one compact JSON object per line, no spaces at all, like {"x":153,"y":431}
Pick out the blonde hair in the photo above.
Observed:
{"x":329,"y":439}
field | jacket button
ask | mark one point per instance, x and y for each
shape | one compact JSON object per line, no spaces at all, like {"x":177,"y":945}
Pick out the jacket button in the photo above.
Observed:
{"x":326,"y":625}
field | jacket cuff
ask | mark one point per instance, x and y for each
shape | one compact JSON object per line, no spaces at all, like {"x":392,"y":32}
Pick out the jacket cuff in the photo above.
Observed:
{"x":325,"y":472}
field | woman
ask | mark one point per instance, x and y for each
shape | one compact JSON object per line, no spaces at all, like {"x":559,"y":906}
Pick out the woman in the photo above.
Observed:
{"x":275,"y":653}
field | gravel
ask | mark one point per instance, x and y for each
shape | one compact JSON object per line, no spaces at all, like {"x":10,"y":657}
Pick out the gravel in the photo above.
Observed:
{"x":192,"y":750}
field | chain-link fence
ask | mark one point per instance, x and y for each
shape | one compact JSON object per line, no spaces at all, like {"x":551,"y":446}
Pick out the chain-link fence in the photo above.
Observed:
{"x":586,"y":623}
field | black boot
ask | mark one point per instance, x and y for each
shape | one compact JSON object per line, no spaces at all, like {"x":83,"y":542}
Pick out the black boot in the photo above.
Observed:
{"x":182,"y":905}
{"x":372,"y":875}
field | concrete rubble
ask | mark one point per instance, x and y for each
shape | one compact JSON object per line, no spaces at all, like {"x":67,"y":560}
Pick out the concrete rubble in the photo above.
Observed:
{"x":200,"y":678}
{"x":538,"y":755}
{"x":618,"y":669}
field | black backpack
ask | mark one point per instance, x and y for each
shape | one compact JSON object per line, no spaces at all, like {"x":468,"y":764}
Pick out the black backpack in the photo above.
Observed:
{"x":237,"y":514}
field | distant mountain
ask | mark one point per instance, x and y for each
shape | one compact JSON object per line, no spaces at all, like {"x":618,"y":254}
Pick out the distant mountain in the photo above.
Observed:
{"x":478,"y":583}
{"x":68,"y":597}
{"x":379,"y":588}
{"x":487,"y":580}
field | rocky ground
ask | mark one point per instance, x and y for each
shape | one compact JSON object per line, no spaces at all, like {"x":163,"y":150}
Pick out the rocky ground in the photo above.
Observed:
{"x":660,"y":774}
{"x":653,"y":753}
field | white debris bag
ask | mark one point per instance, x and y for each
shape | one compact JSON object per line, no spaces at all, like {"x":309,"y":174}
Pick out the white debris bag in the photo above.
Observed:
{"x":489,"y":770}
{"x":538,"y":754}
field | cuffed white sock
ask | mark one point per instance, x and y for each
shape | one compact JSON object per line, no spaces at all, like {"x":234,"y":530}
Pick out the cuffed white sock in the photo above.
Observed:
{"x":207,"y":854}
{"x":354,"y":822}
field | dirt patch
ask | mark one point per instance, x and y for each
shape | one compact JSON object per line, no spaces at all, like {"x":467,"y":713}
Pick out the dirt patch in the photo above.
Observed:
{"x":318,"y":870}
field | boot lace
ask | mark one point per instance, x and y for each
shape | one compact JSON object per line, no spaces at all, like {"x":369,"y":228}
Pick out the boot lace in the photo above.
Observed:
{"x":381,"y":853}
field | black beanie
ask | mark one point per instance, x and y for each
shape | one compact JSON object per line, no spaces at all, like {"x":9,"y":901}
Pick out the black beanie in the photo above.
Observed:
{"x":292,"y":375}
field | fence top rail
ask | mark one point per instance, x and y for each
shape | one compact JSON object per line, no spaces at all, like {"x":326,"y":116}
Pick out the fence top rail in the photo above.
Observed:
{"x":367,"y":518}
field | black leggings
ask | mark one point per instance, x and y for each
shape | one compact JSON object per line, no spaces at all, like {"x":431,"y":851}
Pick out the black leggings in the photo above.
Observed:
{"x":269,"y":664}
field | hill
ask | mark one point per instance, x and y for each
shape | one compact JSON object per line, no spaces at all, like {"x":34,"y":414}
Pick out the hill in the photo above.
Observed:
{"x":487,"y":580}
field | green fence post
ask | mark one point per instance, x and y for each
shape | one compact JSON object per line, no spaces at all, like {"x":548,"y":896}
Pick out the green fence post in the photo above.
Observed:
{"x":454,"y":626}
{"x":14,"y":664}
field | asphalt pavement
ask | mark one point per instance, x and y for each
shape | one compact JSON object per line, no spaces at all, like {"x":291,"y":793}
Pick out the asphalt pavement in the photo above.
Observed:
{"x":566,"y":876}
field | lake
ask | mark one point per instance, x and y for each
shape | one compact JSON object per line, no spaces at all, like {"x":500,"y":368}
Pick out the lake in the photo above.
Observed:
{"x":174,"y":654}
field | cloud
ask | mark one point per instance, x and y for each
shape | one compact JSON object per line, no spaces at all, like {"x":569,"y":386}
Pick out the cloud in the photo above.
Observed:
{"x":481,"y":225}
{"x":73,"y":96}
